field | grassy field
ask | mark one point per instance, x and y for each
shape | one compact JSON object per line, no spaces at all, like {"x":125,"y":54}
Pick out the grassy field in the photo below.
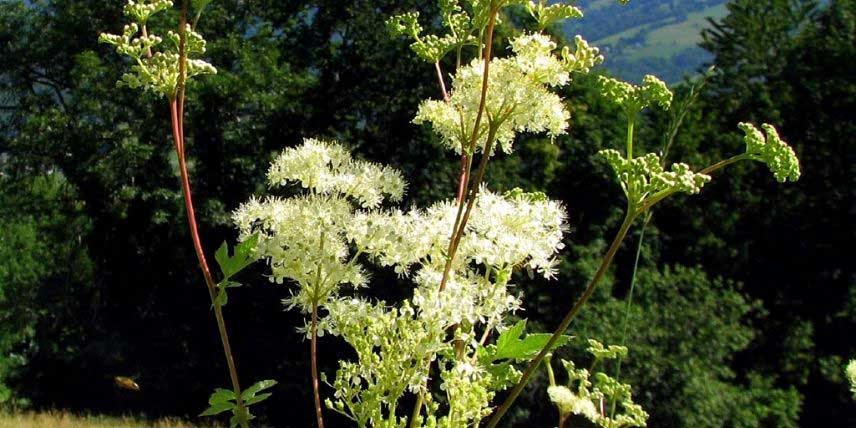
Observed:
{"x":61,"y":419}
{"x":650,"y":37}
{"x":673,"y":38}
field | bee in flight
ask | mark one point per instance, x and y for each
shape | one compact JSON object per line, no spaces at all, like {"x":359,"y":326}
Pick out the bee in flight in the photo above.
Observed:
{"x":126,"y":383}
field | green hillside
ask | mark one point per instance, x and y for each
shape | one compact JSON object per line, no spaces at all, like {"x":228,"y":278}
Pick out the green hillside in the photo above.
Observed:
{"x":649,"y":36}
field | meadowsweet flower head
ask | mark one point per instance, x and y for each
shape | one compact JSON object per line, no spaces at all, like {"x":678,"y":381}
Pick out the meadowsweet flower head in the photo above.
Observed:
{"x":771,"y":150}
{"x":327,"y":168}
{"x":302,"y":238}
{"x":518,"y":99}
{"x":516,"y":229}
{"x":468,"y":297}
{"x":534,"y":56}
{"x":392,"y":346}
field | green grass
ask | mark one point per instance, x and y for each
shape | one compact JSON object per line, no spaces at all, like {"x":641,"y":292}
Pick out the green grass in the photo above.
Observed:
{"x":63,"y":419}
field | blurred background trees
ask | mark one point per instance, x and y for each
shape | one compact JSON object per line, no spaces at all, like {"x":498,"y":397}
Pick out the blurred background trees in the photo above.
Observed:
{"x":745,"y":298}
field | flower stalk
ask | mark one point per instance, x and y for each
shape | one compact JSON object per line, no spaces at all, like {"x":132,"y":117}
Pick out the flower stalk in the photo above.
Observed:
{"x":177,"y":120}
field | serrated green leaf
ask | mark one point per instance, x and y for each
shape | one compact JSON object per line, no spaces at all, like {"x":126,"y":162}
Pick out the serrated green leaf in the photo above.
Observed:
{"x":510,"y":346}
{"x":216,"y":409}
{"x":243,"y":257}
{"x":257,"y":398}
{"x":256,"y":387}
{"x":505,"y":342}
{"x":221,"y":395}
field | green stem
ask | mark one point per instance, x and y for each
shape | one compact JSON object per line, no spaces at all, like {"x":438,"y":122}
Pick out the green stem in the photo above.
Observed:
{"x":629,"y":217}
{"x":631,"y":122}
{"x":627,"y":307}
{"x":548,"y":365}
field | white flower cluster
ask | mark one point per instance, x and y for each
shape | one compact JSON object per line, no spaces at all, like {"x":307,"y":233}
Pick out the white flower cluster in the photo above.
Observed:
{"x":315,"y":240}
{"x":570,"y":403}
{"x":518,"y":98}
{"x":302,"y":238}
{"x":504,"y":231}
{"x":778,"y":155}
{"x":327,"y":168}
{"x":644,"y":176}
{"x":467,"y":299}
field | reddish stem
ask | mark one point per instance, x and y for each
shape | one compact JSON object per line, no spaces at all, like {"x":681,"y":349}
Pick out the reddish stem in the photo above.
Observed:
{"x":314,"y":365}
{"x":211,"y":285}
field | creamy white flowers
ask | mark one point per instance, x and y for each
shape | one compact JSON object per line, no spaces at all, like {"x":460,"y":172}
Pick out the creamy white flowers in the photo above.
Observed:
{"x":328,"y":168}
{"x":320,"y":238}
{"x":511,"y":230}
{"x":518,"y":96}
{"x":304,"y":237}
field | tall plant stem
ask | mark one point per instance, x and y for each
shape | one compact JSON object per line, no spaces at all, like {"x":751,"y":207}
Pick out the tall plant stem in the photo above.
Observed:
{"x":464,"y":175}
{"x":200,"y":256}
{"x":572,"y":313}
{"x":314,"y":363}
{"x":177,"y":120}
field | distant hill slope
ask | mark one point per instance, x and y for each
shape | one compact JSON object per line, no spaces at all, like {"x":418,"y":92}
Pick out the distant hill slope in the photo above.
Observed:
{"x":648,"y":36}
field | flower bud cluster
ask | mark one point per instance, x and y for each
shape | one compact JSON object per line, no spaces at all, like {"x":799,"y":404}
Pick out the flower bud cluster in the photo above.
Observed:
{"x":771,"y":150}
{"x":645,"y":176}
{"x":548,"y":14}
{"x":634,"y":99}
{"x":392,"y":347}
{"x":141,"y":10}
{"x":156,"y":70}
